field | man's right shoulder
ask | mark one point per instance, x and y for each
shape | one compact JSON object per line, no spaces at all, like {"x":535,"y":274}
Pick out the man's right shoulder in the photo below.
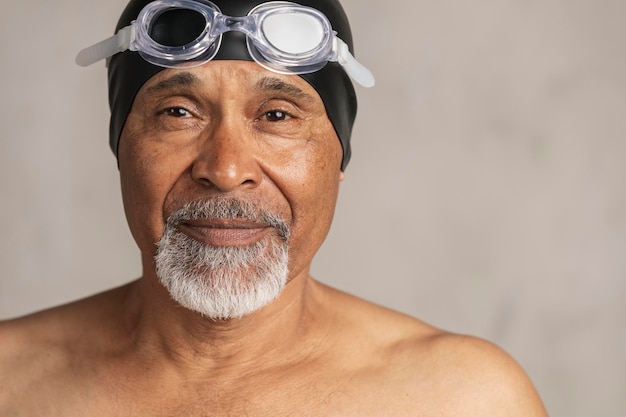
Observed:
{"x":24,"y":356}
{"x":38,"y":350}
{"x":23,"y":336}
{"x":23,"y":339}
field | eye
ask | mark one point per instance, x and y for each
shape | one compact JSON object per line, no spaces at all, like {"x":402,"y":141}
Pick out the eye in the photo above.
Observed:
{"x":177,"y":112}
{"x":276,"y":115}
{"x":175,"y":117}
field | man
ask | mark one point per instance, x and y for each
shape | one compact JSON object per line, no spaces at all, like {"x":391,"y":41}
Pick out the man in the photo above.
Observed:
{"x":231,"y":123}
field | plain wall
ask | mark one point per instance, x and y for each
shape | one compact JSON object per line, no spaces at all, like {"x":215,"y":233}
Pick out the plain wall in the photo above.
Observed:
{"x":486,"y":193}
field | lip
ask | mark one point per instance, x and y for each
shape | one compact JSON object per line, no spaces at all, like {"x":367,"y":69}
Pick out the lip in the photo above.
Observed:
{"x":224,"y":232}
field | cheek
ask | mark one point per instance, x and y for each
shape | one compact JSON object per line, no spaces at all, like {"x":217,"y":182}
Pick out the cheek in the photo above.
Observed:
{"x":312,"y":195}
{"x":319,"y":195}
{"x":145,"y":181}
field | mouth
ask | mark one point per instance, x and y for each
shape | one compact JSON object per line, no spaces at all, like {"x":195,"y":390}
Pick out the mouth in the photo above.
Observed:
{"x":225,"y":232}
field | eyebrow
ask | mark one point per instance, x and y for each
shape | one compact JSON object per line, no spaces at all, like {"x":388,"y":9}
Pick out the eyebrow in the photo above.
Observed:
{"x":272,"y":84}
{"x":181,"y":79}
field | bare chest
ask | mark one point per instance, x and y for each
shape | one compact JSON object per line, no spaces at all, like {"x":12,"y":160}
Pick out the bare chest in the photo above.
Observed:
{"x":289,"y":395}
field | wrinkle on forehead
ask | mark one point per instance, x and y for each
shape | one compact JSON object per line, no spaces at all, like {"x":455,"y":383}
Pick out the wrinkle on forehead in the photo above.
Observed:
{"x":278,"y":85}
{"x":181,"y":79}
{"x":235,"y":71}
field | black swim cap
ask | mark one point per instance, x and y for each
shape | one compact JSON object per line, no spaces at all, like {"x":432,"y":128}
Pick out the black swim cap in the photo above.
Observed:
{"x":127,"y":71}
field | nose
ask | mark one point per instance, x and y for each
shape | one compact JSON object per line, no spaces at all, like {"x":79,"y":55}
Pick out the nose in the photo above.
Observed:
{"x":226,"y":159}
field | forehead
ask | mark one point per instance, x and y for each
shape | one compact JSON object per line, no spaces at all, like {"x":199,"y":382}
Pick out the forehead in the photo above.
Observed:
{"x":244,"y":76}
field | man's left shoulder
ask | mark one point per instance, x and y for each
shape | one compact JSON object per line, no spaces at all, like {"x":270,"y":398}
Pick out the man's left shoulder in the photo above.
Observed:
{"x":405,"y":366}
{"x":466,"y":375}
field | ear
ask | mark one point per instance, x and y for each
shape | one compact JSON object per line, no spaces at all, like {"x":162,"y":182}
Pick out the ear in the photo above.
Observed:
{"x":342,"y":176}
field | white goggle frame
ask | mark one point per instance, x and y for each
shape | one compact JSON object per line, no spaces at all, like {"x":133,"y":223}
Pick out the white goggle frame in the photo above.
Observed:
{"x":281,"y":36}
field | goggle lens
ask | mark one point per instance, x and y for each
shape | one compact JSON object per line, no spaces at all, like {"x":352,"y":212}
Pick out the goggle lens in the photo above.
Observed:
{"x":293,"y":33}
{"x":177,"y":27}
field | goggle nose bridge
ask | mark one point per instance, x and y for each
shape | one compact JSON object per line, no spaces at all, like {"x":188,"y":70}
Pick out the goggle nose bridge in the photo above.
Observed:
{"x":224,"y":23}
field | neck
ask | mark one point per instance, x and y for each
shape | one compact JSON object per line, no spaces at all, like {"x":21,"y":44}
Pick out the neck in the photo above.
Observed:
{"x":281,"y":332}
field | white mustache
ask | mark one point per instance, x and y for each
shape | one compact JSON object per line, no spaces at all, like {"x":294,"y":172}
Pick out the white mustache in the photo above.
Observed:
{"x":228,"y":209}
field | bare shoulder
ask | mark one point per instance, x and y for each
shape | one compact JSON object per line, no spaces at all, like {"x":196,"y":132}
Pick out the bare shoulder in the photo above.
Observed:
{"x":437,"y":372}
{"x":61,"y":325}
{"x":62,"y":321}
{"x":30,"y":350}
{"x":478,"y":377}
{"x":40,"y":348}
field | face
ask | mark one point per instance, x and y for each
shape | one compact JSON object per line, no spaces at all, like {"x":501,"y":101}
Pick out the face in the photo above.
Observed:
{"x":230,"y":130}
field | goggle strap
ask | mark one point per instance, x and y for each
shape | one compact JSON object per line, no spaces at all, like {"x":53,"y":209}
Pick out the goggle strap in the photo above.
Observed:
{"x":124,"y":38}
{"x":355,"y":70}
{"x":119,"y":42}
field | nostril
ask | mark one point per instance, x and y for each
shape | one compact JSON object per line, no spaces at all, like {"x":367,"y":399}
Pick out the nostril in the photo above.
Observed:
{"x":204,"y":181}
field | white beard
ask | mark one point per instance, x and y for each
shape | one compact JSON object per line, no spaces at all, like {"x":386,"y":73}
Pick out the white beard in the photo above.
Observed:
{"x":222,"y":282}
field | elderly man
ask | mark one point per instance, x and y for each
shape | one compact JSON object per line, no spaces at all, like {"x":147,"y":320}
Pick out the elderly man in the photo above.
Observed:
{"x":231,"y":123}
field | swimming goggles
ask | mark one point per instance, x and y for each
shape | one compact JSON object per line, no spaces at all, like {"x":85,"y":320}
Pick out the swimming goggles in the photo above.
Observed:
{"x":281,"y":36}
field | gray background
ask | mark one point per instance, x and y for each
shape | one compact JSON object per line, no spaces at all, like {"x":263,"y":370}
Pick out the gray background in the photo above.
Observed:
{"x":486,"y":193}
